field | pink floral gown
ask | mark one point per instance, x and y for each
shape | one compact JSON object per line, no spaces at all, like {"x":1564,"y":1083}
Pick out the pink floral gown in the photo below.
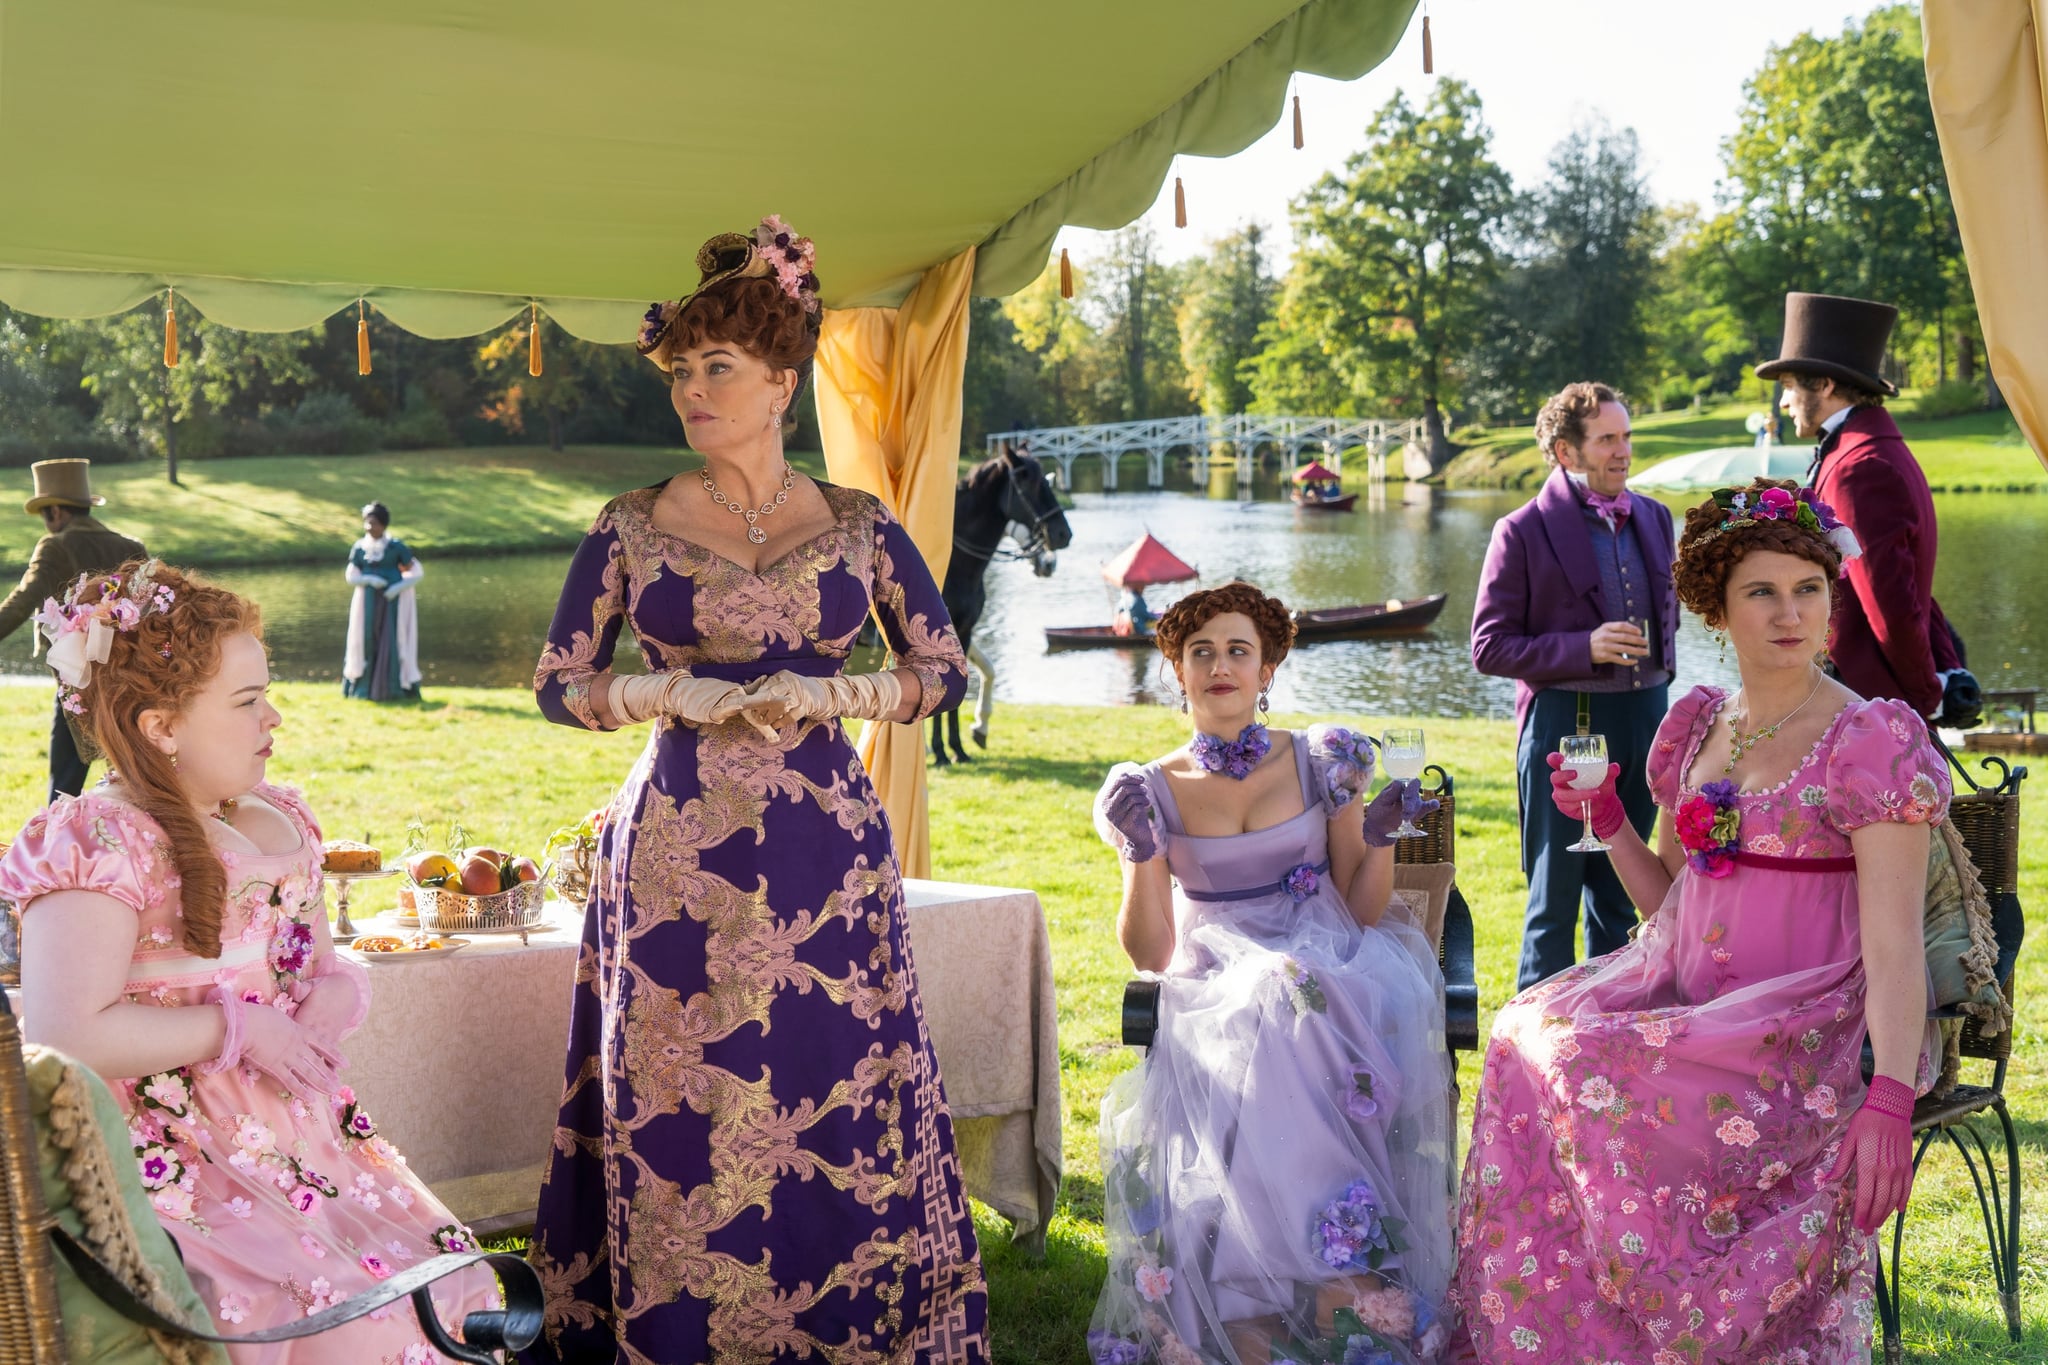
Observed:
{"x":280,"y":1206}
{"x":1645,"y":1177}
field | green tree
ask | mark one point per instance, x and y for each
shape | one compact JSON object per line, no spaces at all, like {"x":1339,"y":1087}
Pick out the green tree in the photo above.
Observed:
{"x":1230,"y":297}
{"x":574,"y":373}
{"x":1292,"y":370}
{"x":1136,"y":299}
{"x":1398,"y":256}
{"x":1065,"y":347}
{"x":121,"y":360}
{"x":1000,"y":390}
{"x":1693,"y":342}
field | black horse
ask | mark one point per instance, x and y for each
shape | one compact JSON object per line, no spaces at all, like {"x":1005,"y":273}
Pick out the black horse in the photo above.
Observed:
{"x":1008,"y":495}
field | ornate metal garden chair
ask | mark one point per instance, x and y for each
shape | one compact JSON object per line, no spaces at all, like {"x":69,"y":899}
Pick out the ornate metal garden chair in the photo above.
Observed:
{"x":1987,"y":816}
{"x":145,"y":1284}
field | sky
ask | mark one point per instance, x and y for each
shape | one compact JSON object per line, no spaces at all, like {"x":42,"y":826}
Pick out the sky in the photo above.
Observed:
{"x":1672,"y":71}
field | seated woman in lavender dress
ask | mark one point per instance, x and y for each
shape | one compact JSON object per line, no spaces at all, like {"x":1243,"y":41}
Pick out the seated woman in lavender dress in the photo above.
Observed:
{"x":1674,"y":1157}
{"x":1277,"y":1169}
{"x":174,"y":939}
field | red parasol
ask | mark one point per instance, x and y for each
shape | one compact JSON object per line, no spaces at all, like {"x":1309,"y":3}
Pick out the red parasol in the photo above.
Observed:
{"x":1314,"y":472}
{"x":1147,"y":562}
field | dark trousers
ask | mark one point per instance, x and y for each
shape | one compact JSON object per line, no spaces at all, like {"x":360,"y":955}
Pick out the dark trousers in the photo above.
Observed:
{"x":1560,"y":881}
{"x":67,"y":769}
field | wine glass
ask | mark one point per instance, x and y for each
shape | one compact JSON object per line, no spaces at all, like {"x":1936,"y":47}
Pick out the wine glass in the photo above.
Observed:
{"x":1403,"y":750}
{"x":1585,"y":757}
{"x":1642,"y":623}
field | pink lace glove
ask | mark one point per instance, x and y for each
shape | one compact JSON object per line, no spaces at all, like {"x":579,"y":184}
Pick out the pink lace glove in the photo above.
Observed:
{"x":1879,"y":1149}
{"x":336,"y":999}
{"x":1126,"y":818}
{"x":273,"y":1042}
{"x":1608,"y":816}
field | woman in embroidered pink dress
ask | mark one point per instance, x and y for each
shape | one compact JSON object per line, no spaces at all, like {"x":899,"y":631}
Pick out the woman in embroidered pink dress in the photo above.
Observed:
{"x":1675,"y":1159}
{"x":174,"y":938}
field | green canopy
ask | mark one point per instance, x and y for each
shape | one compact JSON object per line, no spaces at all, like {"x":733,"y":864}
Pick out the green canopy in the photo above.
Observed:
{"x":454,"y":160}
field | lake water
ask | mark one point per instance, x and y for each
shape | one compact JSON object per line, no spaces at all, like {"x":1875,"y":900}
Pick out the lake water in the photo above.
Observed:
{"x":482,"y":620}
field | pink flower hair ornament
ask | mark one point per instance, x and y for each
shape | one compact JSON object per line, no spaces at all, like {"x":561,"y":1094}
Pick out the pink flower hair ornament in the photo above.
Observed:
{"x":82,"y":633}
{"x":772,"y":250}
{"x":1804,"y":509}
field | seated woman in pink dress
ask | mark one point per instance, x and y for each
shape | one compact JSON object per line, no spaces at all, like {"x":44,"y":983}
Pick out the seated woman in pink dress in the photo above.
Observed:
{"x":1278,"y":1169}
{"x":174,"y":939}
{"x":1675,"y":1159}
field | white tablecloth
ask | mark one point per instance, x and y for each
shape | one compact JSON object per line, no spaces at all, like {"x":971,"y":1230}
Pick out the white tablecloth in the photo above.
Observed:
{"x":460,"y":1061}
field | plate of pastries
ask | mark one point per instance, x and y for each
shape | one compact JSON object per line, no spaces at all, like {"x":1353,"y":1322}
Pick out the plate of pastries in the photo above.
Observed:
{"x":405,"y":947}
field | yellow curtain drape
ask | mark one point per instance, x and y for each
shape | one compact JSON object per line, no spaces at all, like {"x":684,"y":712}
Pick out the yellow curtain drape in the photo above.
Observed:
{"x":889,"y":388}
{"x":1987,"y":67}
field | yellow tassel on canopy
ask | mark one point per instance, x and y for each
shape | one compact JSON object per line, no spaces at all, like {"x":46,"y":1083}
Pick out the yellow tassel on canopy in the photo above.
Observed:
{"x":1297,"y":123}
{"x":1066,"y":275}
{"x":533,"y":343}
{"x":362,"y":339}
{"x":170,"y":329}
{"x":1180,"y":204}
{"x":1428,"y":50}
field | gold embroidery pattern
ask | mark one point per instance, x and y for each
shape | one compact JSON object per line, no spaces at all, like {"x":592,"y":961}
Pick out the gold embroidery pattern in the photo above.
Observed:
{"x":657,"y":1044}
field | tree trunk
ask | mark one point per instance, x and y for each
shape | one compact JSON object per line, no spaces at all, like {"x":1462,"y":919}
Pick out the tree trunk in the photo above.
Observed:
{"x":554,"y":429}
{"x":1941,"y":346}
{"x":1966,"y":357}
{"x":170,"y":435}
{"x":1440,"y":448}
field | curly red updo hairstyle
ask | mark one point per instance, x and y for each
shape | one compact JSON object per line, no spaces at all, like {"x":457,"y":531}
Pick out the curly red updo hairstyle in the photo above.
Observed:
{"x":754,"y":314}
{"x":1708,"y":556}
{"x":1269,"y":617}
{"x":161,"y":663}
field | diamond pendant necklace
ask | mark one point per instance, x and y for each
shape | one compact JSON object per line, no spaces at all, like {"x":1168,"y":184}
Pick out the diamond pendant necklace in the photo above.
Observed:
{"x":1740,"y":744}
{"x":754,"y":533}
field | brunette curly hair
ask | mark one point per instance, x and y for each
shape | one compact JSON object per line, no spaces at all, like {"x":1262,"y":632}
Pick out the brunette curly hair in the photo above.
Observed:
{"x":1564,"y":417}
{"x":160,"y":663}
{"x":1707,"y":555}
{"x":754,"y":314}
{"x":1269,"y":616}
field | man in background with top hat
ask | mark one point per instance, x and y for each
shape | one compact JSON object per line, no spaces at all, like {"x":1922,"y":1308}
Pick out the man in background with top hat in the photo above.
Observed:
{"x":73,"y":543}
{"x":1889,"y":636}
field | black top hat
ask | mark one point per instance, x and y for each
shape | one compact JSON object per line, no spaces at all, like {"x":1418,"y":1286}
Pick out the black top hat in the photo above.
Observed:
{"x":1834,"y":338}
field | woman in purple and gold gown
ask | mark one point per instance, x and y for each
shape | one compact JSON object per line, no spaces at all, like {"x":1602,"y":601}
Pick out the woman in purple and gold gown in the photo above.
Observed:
{"x":753,"y":1160}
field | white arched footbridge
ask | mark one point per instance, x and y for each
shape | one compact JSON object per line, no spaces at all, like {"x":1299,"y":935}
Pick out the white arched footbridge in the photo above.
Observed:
{"x":1236,"y":439}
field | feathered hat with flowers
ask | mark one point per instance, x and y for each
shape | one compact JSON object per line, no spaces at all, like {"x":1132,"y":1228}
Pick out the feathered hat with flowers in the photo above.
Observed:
{"x":773,"y":250}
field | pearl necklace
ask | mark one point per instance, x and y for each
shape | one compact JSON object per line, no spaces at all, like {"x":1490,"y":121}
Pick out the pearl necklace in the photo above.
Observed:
{"x":754,"y":533}
{"x":1740,"y":744}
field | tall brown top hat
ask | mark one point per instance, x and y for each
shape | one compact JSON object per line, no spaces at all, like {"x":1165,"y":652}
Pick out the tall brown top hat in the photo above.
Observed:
{"x":772,"y":250}
{"x":1834,"y":338}
{"x":62,"y":483}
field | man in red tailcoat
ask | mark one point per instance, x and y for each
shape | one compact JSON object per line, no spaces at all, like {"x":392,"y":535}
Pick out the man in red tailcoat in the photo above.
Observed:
{"x":1889,"y":637}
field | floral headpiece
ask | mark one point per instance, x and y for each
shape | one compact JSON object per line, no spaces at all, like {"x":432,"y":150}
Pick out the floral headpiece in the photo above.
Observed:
{"x":82,"y":633}
{"x":1748,"y":507}
{"x":773,"y":249}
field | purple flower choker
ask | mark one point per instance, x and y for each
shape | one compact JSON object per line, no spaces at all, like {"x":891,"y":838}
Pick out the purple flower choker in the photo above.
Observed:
{"x":1234,"y":758}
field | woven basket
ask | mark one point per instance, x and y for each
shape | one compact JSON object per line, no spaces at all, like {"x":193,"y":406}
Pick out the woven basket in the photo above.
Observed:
{"x":453,"y":912}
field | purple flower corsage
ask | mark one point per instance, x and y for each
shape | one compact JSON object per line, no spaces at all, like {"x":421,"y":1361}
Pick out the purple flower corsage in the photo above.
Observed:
{"x":1353,"y":1233}
{"x":1347,"y":762}
{"x":1359,"y":1101}
{"x":291,"y":948}
{"x":1301,"y":882}
{"x":1710,"y":829}
{"x":1234,"y":758}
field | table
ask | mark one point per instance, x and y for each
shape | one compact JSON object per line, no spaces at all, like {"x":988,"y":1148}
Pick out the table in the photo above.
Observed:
{"x":460,"y":1059}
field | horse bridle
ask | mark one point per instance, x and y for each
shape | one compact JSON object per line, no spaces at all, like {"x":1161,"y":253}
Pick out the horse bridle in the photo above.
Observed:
{"x":1031,"y":545}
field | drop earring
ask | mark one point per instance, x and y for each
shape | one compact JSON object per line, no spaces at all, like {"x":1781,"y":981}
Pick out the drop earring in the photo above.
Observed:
{"x":174,"y":758}
{"x":1723,"y":640}
{"x":1263,"y":717}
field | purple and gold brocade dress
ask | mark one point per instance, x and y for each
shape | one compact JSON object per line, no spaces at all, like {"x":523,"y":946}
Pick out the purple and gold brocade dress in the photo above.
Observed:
{"x":753,"y":1161}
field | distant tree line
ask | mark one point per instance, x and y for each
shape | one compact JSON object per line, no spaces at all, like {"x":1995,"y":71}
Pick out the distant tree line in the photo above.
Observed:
{"x":1422,"y":283}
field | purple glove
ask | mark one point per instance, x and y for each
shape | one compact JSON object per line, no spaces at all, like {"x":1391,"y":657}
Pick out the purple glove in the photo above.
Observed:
{"x":1126,"y":817}
{"x":1606,"y":812}
{"x":1398,"y":801}
{"x":1879,"y":1148}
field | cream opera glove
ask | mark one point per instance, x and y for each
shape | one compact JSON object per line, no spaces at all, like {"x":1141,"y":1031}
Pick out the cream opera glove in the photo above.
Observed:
{"x":785,"y":696}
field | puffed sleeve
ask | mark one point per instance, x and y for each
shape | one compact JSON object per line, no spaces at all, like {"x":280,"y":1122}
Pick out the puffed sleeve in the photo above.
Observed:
{"x":88,"y":843}
{"x":1677,"y":740}
{"x":292,"y":802}
{"x":1883,"y":767}
{"x":913,"y":618}
{"x":585,"y":631}
{"x":1341,"y":762}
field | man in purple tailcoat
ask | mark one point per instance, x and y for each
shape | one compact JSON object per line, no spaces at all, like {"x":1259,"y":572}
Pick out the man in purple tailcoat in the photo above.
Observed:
{"x":1576,"y":605}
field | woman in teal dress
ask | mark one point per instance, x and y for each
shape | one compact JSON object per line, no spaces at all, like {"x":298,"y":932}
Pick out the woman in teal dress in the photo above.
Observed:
{"x":383,"y":660}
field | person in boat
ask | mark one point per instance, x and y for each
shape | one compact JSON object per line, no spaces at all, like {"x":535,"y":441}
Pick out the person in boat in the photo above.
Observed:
{"x":1576,"y":605}
{"x":1133,"y":613}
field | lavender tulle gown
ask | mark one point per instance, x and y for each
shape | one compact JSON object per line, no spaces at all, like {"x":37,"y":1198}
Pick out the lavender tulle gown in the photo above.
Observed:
{"x":1290,"y":1124}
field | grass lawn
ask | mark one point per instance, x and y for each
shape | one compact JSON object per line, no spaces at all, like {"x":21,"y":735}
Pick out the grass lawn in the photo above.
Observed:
{"x":1019,"y":817}
{"x":1981,"y":452}
{"x":298,"y":508}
